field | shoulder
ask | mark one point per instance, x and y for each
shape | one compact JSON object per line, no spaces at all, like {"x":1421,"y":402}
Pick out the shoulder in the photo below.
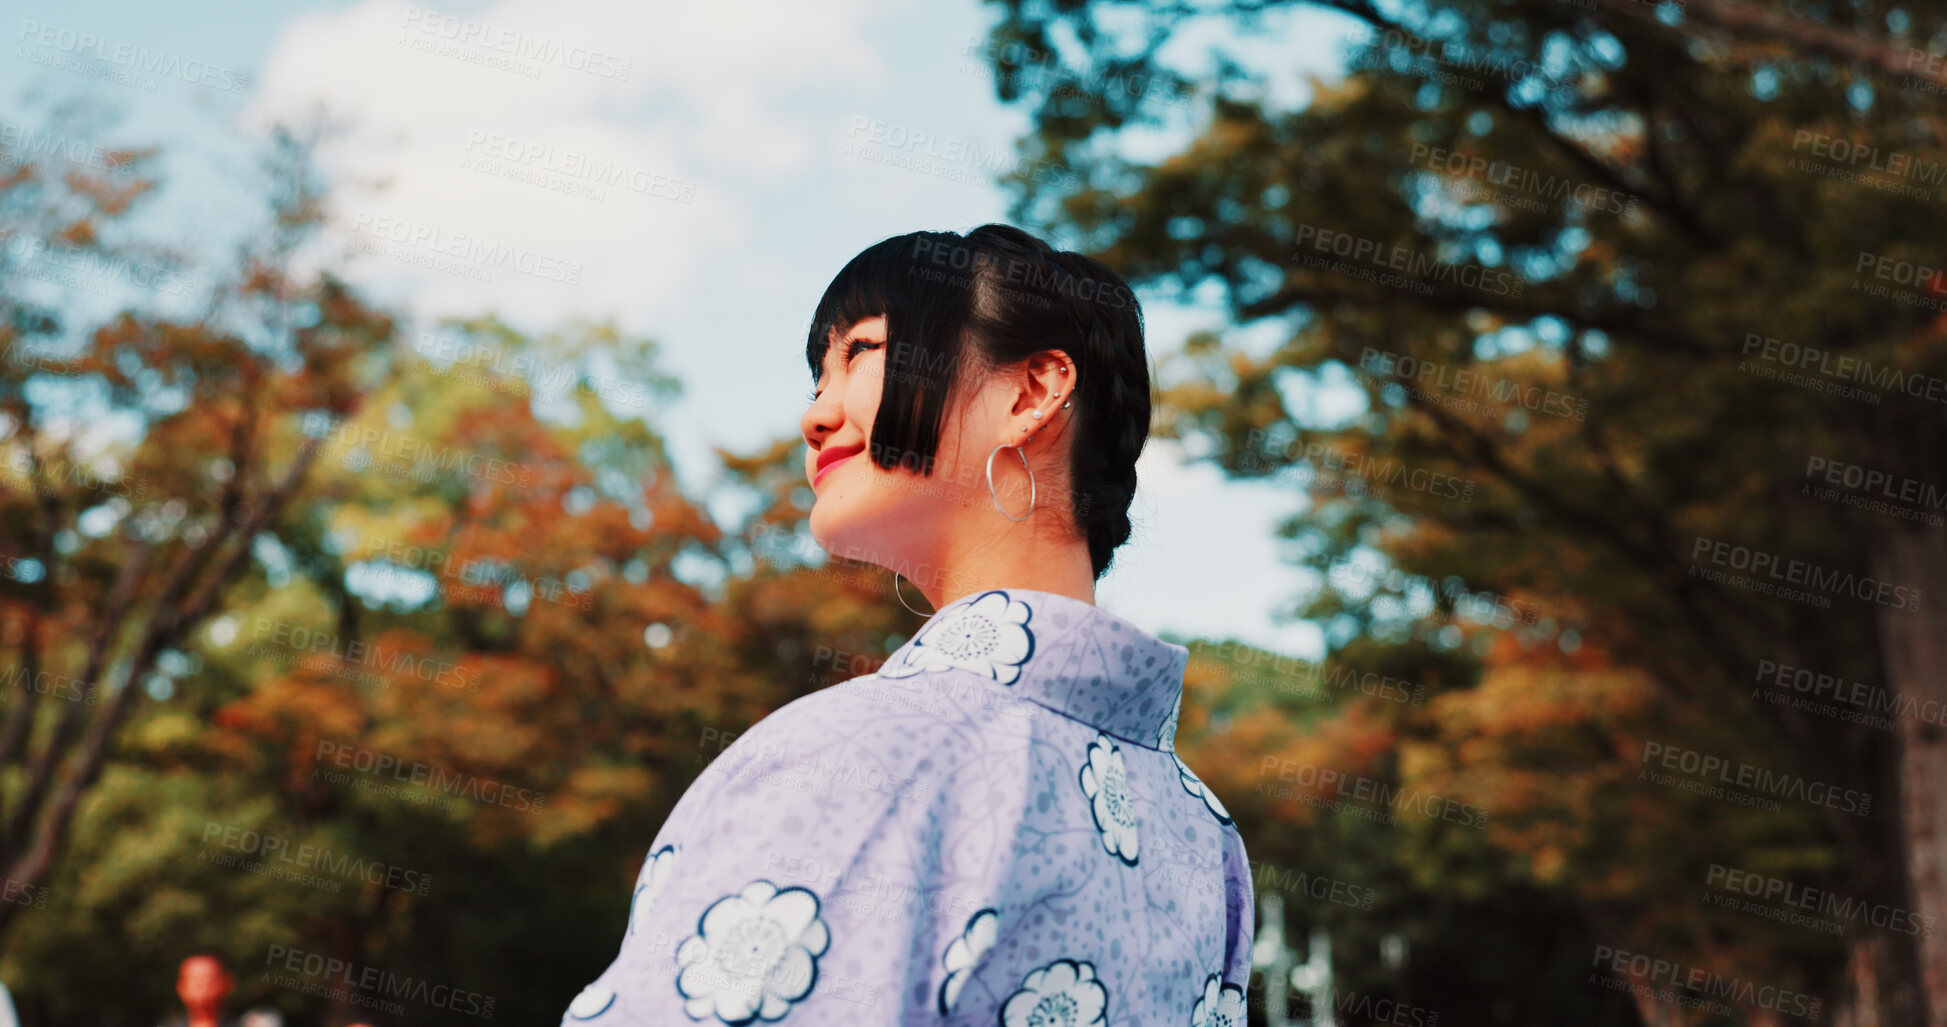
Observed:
{"x":876,"y":711}
{"x":887,"y":739}
{"x":1195,"y":785}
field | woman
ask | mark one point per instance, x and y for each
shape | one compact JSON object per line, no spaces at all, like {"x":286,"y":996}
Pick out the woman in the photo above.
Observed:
{"x":993,"y":827}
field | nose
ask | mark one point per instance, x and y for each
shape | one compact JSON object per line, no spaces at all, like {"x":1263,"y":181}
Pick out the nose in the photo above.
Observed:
{"x":822,"y":418}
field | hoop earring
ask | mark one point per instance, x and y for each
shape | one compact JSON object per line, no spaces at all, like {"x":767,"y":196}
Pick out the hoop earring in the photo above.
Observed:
{"x":995,"y":495}
{"x":902,"y":596}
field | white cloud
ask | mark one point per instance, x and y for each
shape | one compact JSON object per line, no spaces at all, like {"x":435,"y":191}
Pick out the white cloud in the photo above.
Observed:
{"x":652,"y":104}
{"x":758,"y":102}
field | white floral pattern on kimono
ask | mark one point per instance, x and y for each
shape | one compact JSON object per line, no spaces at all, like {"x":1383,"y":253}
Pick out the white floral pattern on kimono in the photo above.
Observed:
{"x":987,"y":636}
{"x":649,"y":884}
{"x":1221,"y":1005}
{"x":964,"y":954}
{"x":901,"y":848}
{"x":1195,"y":786}
{"x":1062,"y":994}
{"x":754,"y":954}
{"x":1106,"y":783}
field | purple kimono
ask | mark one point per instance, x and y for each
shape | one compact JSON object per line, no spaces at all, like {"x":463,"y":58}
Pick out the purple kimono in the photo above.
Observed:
{"x":994,"y":828}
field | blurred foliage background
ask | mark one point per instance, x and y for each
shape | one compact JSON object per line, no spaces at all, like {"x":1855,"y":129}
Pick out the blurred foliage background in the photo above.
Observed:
{"x":251,"y":554}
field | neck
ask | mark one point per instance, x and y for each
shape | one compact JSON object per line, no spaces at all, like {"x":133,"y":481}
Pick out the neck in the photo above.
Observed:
{"x":1016,"y":558}
{"x":202,"y":1017}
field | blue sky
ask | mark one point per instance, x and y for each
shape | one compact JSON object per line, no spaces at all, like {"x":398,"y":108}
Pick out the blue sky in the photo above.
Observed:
{"x":738,"y":125}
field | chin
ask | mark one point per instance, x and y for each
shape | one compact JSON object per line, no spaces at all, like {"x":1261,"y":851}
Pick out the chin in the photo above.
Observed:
{"x":820,"y":523}
{"x":835,"y":523}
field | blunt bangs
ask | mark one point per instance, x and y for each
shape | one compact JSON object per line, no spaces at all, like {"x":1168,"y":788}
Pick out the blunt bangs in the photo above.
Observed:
{"x":927,"y":307}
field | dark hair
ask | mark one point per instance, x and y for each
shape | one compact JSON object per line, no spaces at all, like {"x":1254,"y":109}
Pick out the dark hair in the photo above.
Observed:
{"x":963,"y":305}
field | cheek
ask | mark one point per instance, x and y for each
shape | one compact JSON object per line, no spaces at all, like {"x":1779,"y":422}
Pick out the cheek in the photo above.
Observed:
{"x":862,"y":405}
{"x":863,"y":391}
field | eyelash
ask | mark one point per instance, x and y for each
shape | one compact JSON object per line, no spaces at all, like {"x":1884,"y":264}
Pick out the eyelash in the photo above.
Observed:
{"x":858,"y":346}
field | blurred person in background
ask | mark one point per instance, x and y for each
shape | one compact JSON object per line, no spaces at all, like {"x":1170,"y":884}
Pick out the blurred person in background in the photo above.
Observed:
{"x":202,"y":983}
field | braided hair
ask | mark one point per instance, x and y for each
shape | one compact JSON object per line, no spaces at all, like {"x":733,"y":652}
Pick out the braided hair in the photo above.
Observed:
{"x":960,"y":306}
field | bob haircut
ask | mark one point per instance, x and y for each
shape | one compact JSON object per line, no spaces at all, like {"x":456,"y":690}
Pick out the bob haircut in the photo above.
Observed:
{"x":959,"y":307}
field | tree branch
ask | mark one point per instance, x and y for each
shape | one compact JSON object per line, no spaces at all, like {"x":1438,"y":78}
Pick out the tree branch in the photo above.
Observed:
{"x":1752,"y":21}
{"x":164,"y":629}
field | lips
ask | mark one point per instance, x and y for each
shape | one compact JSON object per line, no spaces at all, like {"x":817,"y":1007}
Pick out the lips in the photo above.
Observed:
{"x":830,"y":458}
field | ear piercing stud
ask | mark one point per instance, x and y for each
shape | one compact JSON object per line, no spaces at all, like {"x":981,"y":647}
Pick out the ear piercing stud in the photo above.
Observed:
{"x":1036,"y":414}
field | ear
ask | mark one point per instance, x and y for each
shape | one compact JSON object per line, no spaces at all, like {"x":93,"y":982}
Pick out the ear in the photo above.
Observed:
{"x":1045,"y":382}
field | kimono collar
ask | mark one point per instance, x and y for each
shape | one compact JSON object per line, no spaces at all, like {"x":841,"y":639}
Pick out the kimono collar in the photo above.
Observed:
{"x":1059,"y":652}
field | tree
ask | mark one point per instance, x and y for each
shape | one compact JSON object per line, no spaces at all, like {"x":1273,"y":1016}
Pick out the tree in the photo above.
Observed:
{"x":126,"y":545}
{"x":389,"y":632}
{"x":1636,"y":298}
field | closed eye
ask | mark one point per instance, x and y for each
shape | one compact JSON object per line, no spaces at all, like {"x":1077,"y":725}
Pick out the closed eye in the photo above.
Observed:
{"x":852,"y":352}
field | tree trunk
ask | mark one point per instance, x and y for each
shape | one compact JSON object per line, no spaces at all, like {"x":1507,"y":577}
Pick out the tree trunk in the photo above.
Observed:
{"x":1869,"y":975}
{"x":1913,"y":644}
